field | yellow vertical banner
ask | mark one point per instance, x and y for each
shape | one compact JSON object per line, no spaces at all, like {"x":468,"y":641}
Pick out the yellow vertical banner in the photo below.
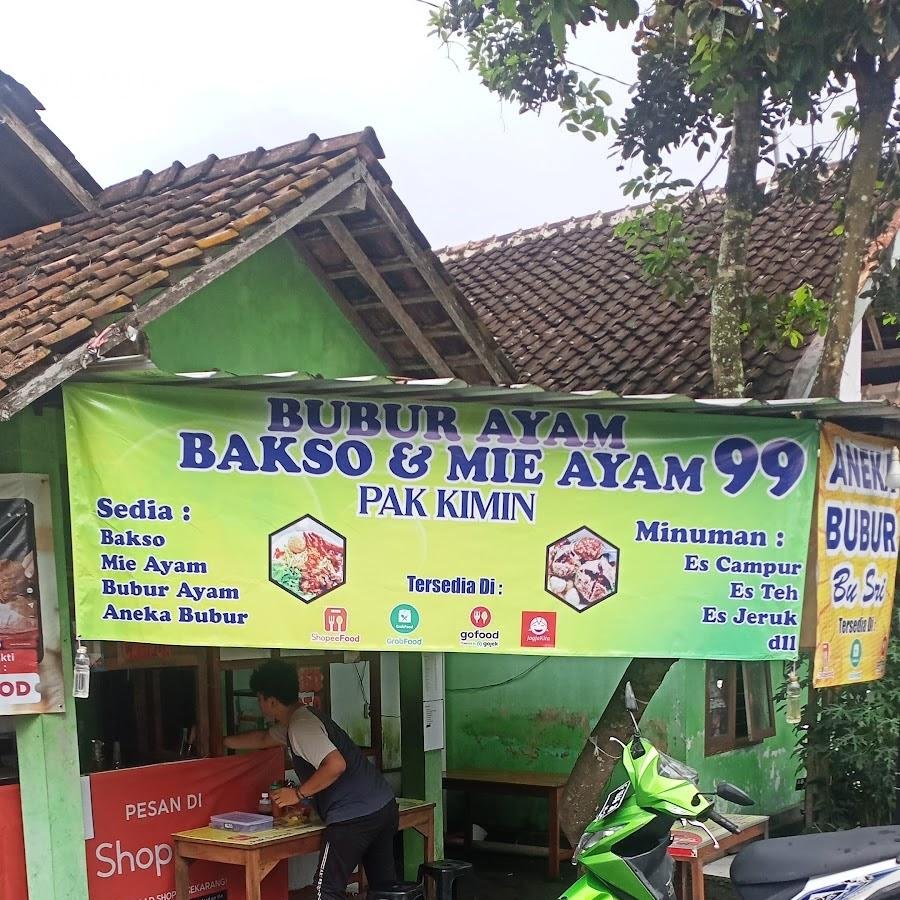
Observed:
{"x":857,"y":557}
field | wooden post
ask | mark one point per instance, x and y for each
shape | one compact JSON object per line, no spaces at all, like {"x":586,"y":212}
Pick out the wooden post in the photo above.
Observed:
{"x":422,"y":771}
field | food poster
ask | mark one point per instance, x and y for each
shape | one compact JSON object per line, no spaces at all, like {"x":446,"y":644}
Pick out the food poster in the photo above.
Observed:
{"x":857,"y":558}
{"x":131,"y":814}
{"x":240,"y":518}
{"x":30,"y":663}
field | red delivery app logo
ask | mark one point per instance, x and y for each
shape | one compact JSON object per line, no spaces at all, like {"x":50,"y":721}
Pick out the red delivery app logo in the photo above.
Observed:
{"x":480,"y":617}
{"x":538,"y":629}
{"x":336,"y":619}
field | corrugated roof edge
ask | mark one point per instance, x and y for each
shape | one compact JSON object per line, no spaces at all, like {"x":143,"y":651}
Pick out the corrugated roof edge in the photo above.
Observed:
{"x":139,"y":370}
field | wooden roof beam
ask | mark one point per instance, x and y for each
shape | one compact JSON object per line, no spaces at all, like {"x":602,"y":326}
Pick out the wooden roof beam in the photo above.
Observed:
{"x":363,"y":230}
{"x":880,"y":359}
{"x":387,"y":265}
{"x":372,"y":276}
{"x":410,"y":300}
{"x":468,"y":327}
{"x":431,"y":332}
{"x":874,"y":330}
{"x":60,"y":173}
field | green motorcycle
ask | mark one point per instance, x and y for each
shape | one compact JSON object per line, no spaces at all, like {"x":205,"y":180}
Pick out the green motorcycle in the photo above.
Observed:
{"x":625,"y":849}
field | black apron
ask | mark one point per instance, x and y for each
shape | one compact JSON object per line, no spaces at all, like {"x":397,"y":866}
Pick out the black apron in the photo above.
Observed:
{"x":361,"y":789}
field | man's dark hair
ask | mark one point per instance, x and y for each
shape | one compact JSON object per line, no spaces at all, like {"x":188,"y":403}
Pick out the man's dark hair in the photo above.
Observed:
{"x":276,"y":679}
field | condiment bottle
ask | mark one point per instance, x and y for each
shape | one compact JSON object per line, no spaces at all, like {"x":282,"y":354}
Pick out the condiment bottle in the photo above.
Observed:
{"x":82,"y":682}
{"x":793,"y":713}
{"x":265,"y":804}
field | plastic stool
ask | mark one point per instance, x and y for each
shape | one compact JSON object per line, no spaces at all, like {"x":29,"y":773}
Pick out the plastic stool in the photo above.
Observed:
{"x":446,"y":873}
{"x":399,"y":890}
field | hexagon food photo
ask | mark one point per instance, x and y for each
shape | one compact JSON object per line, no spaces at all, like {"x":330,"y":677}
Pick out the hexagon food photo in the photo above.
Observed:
{"x":582,"y":569}
{"x":307,"y":558}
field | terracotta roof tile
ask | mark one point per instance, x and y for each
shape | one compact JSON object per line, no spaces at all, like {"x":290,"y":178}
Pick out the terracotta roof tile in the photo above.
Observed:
{"x":58,"y":281}
{"x":570,"y":307}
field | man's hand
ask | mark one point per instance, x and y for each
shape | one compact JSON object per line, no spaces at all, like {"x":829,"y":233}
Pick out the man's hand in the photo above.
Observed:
{"x":285,"y":797}
{"x":250,"y":740}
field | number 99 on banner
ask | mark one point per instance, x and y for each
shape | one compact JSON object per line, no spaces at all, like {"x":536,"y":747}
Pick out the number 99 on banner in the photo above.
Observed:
{"x":780,"y":461}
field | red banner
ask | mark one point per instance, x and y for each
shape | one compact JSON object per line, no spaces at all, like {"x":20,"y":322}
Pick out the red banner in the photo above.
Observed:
{"x":135,"y":812}
{"x":13,"y":884}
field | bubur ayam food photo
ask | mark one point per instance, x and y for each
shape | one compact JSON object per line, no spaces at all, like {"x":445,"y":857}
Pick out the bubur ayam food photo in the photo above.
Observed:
{"x":307,"y":559}
{"x":582,"y":569}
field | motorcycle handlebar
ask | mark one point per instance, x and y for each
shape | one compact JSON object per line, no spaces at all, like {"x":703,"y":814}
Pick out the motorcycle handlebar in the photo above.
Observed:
{"x":727,"y":824}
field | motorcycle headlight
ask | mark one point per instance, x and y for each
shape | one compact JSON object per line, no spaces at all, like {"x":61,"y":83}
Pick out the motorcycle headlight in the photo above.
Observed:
{"x":591,"y":839}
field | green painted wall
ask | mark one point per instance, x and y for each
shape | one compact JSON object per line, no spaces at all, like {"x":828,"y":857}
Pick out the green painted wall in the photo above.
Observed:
{"x":48,"y":745}
{"x":539,"y":721}
{"x":267,"y":315}
{"x":768,"y":771}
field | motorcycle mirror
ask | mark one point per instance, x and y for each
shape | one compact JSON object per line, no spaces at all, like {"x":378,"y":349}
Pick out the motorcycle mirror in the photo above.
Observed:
{"x":630,"y":700}
{"x":733,"y":794}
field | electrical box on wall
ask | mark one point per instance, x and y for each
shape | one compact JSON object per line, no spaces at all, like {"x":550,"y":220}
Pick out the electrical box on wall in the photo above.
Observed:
{"x":433,"y":700}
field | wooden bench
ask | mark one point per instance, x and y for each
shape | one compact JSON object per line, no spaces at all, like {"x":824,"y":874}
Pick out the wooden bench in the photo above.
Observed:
{"x":519,"y":784}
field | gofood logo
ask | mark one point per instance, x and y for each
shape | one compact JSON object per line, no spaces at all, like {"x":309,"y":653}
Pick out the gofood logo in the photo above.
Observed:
{"x":479,"y":635}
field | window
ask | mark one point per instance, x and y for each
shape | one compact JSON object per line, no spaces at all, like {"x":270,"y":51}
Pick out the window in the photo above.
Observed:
{"x":739,"y":707}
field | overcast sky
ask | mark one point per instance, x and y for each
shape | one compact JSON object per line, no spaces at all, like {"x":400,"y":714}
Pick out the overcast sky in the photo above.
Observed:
{"x":132,"y":86}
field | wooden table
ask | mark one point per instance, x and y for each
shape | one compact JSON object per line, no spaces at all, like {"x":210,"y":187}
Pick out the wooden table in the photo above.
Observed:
{"x":692,"y":849}
{"x":260,"y":852}
{"x":528,"y":784}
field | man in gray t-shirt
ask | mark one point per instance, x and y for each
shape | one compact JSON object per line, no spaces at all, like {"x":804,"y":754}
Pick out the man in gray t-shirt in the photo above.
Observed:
{"x":348,"y":792}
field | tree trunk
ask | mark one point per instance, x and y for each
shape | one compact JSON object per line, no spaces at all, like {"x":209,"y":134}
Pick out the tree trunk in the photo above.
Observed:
{"x":729,"y":296}
{"x":875,"y":94}
{"x":591,"y":769}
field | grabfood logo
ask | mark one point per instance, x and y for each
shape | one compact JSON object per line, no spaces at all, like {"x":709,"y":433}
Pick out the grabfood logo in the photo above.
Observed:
{"x":477,"y":633}
{"x":404,"y":620}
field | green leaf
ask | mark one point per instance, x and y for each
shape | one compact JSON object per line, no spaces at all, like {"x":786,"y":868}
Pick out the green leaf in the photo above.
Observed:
{"x":589,"y":135}
{"x":558,"y":30}
{"x":718,"y":29}
{"x":571,"y":126}
{"x":509,"y":8}
{"x":838,"y":231}
{"x":770,"y":17}
{"x":604,"y":98}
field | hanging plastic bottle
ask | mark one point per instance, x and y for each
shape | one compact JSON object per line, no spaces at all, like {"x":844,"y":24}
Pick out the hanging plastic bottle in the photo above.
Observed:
{"x":793,"y":712}
{"x":82,"y":685}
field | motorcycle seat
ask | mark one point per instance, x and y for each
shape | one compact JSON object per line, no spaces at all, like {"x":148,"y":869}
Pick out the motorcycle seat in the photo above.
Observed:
{"x":797,"y":859}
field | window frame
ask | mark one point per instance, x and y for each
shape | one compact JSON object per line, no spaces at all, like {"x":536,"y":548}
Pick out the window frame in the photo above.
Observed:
{"x":715,"y":744}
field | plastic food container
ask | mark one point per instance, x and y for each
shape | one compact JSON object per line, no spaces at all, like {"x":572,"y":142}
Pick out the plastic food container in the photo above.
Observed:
{"x":241,"y":821}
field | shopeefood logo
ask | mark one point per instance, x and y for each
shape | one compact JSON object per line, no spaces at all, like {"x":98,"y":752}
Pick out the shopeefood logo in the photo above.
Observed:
{"x":479,"y":636}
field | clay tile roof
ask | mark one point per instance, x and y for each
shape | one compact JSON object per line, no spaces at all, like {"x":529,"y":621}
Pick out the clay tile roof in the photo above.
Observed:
{"x":567,"y":302}
{"x":59,"y":283}
{"x":56,"y":281}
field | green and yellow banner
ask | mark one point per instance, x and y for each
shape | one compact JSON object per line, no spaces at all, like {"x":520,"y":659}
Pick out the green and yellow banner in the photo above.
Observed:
{"x":857,"y":565}
{"x":236,"y":518}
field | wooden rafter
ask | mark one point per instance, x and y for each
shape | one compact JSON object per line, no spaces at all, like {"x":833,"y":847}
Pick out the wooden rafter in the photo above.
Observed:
{"x":397,"y":264}
{"x":411,"y":300}
{"x":874,"y":330}
{"x":59,"y":172}
{"x":469,"y":329}
{"x":881,"y":359}
{"x":369,"y":273}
